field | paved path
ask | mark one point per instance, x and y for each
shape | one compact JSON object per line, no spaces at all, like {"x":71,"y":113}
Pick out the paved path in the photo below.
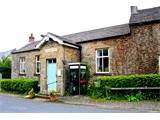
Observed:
{"x":17,"y":104}
{"x":143,"y":106}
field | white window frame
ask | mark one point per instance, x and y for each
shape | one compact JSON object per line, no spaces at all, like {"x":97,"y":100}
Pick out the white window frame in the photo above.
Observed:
{"x":38,"y":61}
{"x":22,"y":67}
{"x":102,"y":62}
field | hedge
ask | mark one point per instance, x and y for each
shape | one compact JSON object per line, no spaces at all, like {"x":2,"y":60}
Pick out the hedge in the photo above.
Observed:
{"x":6,"y":72}
{"x":99,"y":88}
{"x":149,"y":80}
{"x":19,"y":85}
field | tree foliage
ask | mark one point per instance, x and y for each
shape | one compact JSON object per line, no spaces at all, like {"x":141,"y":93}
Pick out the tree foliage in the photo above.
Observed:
{"x":5,"y":61}
{"x":5,"y":67}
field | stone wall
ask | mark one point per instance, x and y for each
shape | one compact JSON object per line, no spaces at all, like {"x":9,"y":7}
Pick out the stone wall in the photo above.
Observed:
{"x":70,"y":55}
{"x":117,"y":50}
{"x":51,"y":50}
{"x":30,"y":64}
{"x":63,"y":55}
{"x":136,"y":53}
{"x":48,"y":50}
{"x":146,"y":39}
{"x":132,"y":54}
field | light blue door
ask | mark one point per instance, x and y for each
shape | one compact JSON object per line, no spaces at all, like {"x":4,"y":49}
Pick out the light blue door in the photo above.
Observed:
{"x":51,"y":74}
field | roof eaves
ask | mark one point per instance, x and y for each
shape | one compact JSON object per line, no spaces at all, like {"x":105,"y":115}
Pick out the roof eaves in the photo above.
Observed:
{"x":65,"y":40}
{"x":104,"y":38}
{"x":107,"y":32}
{"x":15,"y":52}
{"x":144,"y":22}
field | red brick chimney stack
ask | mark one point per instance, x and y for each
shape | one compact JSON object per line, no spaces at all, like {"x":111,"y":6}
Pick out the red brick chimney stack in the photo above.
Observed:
{"x":31,"y":38}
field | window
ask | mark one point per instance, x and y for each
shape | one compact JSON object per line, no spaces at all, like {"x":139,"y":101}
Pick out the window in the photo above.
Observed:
{"x":102,"y":60}
{"x":38,"y":64}
{"x":22,"y":65}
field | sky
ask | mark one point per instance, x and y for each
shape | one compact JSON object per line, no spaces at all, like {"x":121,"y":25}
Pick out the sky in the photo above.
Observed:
{"x":20,"y":18}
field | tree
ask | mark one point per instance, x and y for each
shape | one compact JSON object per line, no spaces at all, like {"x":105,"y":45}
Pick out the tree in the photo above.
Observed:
{"x":5,"y":67}
{"x":5,"y":61}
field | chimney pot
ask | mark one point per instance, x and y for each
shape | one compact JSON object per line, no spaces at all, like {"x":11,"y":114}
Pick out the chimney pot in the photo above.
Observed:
{"x":134,"y":9}
{"x":31,"y":38}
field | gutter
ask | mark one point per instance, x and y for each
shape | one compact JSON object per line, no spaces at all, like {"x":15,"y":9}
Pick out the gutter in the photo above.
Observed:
{"x":24,"y":51}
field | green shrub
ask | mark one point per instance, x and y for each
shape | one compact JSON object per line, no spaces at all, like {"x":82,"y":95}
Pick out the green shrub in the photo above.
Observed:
{"x":94,"y":90}
{"x":149,"y":80}
{"x":131,"y":98}
{"x":19,"y":85}
{"x":101,"y":87}
{"x":137,"y":97}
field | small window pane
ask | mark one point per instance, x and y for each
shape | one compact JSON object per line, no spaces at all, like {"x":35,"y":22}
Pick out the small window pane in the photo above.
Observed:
{"x":22,"y":65}
{"x":99,"y":53}
{"x":50,"y":61}
{"x":105,"y":64}
{"x":23,"y":59}
{"x":99,"y":64}
{"x":105,"y":52}
{"x":102,"y":60}
{"x":37,"y":58}
{"x":54,"y":60}
{"x":38,"y":64}
{"x":38,"y":67}
{"x":83,"y":74}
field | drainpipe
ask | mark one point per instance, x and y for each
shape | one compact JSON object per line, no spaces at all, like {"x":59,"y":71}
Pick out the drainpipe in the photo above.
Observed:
{"x":80,"y":56}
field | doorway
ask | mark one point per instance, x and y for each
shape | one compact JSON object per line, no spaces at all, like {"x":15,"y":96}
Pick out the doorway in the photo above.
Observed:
{"x":51,"y":74}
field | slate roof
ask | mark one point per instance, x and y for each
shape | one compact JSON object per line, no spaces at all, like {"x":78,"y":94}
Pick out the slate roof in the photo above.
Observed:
{"x":99,"y":33}
{"x":66,"y":40}
{"x":146,"y":15}
{"x":28,"y":47}
{"x":32,"y":46}
{"x":142,"y":16}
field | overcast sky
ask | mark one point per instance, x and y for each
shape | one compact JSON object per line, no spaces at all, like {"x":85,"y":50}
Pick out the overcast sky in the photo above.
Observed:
{"x":19,"y":18}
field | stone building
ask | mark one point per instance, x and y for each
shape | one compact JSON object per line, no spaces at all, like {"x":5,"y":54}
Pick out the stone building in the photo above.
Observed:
{"x":132,"y":48}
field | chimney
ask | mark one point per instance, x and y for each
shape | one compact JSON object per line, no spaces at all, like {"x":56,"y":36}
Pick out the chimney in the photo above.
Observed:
{"x":134,"y":9}
{"x":31,"y":38}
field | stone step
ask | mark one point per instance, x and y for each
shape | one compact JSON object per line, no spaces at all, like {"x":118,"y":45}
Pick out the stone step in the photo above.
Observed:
{"x":42,"y":96}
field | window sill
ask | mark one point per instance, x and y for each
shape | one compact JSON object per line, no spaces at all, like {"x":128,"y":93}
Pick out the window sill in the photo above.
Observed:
{"x":36,"y":74}
{"x":22,"y":74}
{"x":108,"y":74}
